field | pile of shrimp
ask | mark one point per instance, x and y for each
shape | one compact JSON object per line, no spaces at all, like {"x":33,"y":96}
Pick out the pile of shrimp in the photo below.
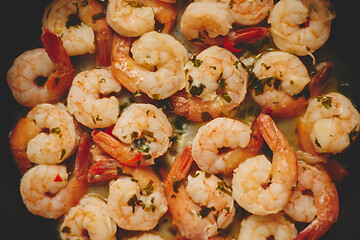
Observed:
{"x":175,"y":132}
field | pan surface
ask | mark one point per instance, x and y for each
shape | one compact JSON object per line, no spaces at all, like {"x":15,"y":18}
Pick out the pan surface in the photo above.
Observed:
{"x":20,"y":31}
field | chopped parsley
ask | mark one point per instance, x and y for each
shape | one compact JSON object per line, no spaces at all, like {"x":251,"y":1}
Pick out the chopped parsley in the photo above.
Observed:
{"x":325,"y":101}
{"x":205,"y":211}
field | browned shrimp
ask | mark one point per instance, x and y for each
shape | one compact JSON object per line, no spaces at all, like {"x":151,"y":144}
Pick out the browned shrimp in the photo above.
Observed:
{"x":325,"y":201}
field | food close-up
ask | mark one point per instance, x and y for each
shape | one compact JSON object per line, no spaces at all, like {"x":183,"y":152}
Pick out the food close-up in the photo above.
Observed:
{"x":175,"y":120}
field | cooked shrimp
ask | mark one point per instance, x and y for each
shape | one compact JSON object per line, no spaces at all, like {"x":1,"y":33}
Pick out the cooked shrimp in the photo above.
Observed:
{"x":221,"y":144}
{"x":143,"y":131}
{"x":301,"y":26}
{"x":87,"y":99}
{"x":249,"y":12}
{"x":217,"y":83}
{"x":205,"y":19}
{"x":275,"y":227}
{"x":46,"y":190}
{"x":89,"y":219}
{"x":157,"y":66}
{"x":93,"y":14}
{"x":25,"y":76}
{"x":280,"y":80}
{"x":145,"y":236}
{"x":321,"y":201}
{"x":329,"y":125}
{"x":135,"y":18}
{"x":51,"y":135}
{"x":61,"y":18}
{"x":138,"y":201}
{"x":261,"y":187}
{"x":204,"y":206}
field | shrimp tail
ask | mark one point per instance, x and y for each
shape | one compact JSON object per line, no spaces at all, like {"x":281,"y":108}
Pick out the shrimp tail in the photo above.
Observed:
{"x":78,"y":184}
{"x":59,"y":81}
{"x":327,"y":203}
{"x":235,"y":41}
{"x":121,"y":152}
{"x":320,"y":80}
{"x":181,"y":166}
{"x":256,"y":138}
{"x":18,"y":142}
{"x":103,"y":43}
{"x":280,"y":146}
{"x":93,"y":14}
{"x":104,"y":170}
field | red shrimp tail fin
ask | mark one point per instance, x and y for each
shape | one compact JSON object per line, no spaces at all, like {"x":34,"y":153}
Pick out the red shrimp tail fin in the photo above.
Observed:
{"x":320,"y":80}
{"x":82,"y":162}
{"x":234,"y":41}
{"x":104,"y":170}
{"x":256,"y":138}
{"x":122,"y":152}
{"x":103,"y":43}
{"x":181,"y":166}
{"x":59,"y":81}
{"x":328,"y":212}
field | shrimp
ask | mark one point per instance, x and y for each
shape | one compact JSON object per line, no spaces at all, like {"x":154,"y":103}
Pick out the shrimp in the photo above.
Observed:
{"x":46,"y":190}
{"x":275,"y":227}
{"x":89,"y":219}
{"x":86,"y":99}
{"x":143,"y":131}
{"x":51,"y":136}
{"x":301,"y":26}
{"x":217,"y":83}
{"x":61,"y":18}
{"x":329,"y":124}
{"x":201,"y":20}
{"x":25,"y":77}
{"x":263,"y":188}
{"x":249,"y":12}
{"x":321,"y":201}
{"x":201,"y":208}
{"x":280,"y":81}
{"x":157,"y":66}
{"x":138,"y":201}
{"x":92,"y":13}
{"x":221,"y":144}
{"x":145,"y":236}
{"x":135,"y":18}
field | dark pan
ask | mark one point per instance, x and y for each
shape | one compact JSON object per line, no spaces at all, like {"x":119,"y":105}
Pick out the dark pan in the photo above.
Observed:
{"x":20,"y":31}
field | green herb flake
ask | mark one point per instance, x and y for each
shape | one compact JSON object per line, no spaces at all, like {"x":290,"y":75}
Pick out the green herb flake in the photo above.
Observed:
{"x":196,"y":62}
{"x":177,"y":184}
{"x":149,"y":189}
{"x":207,"y":174}
{"x":56,"y":130}
{"x":134,"y":4}
{"x":325,"y":101}
{"x":206,"y":117}
{"x":98,"y":16}
{"x":63,"y":152}
{"x":226,"y":97}
{"x":231,"y":4}
{"x":73,"y":21}
{"x":144,"y":148}
{"x":84,"y":3}
{"x":267,"y":67}
{"x":66,"y":229}
{"x":317,"y":143}
{"x":221,"y":186}
{"x":133,"y":202}
{"x":197,"y":90}
{"x":205,"y":211}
